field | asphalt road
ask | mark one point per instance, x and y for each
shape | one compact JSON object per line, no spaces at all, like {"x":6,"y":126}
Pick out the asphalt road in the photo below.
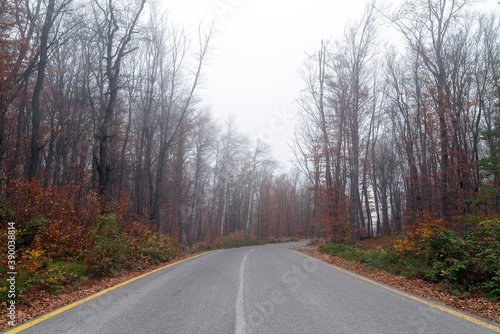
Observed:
{"x":267,"y":289}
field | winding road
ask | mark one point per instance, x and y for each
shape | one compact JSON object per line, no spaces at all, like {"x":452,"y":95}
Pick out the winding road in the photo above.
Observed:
{"x":266,"y":289}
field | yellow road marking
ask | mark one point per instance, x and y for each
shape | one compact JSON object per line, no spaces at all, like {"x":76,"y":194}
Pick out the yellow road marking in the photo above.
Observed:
{"x":83,"y":300}
{"x":426,"y":302}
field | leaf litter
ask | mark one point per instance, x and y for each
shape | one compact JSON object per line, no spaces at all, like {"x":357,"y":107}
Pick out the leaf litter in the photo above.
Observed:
{"x":472,"y":302}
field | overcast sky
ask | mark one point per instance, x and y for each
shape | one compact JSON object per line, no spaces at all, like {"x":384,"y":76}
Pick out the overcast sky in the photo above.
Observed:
{"x":260,"y":47}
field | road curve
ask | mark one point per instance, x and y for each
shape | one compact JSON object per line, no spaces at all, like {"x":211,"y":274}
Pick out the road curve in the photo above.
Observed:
{"x":267,"y":289}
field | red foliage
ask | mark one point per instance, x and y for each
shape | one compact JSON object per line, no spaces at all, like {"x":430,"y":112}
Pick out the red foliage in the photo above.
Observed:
{"x":69,"y":212}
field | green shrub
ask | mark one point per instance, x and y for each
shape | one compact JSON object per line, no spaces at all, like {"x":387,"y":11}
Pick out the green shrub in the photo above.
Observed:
{"x":383,"y":258}
{"x":486,"y":243}
{"x":467,"y":262}
{"x":463,"y":262}
{"x":35,"y":227}
{"x":108,"y":248}
{"x":70,"y":270}
{"x":492,"y":286}
{"x":7,"y":214}
{"x":50,"y":277}
{"x":50,"y":280}
{"x":158,"y":247}
{"x":200,"y":246}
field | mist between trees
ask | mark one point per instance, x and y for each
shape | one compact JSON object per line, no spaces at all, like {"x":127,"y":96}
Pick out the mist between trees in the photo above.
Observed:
{"x":102,"y":95}
{"x":392,"y":133}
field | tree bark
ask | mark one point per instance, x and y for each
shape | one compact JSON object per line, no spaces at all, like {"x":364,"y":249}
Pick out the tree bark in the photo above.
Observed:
{"x":37,"y":92}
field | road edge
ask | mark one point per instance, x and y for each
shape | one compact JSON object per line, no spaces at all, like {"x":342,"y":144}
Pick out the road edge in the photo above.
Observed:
{"x":64,"y":308}
{"x":442,"y":307}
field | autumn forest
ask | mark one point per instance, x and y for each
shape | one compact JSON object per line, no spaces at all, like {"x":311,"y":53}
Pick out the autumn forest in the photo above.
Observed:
{"x":110,"y":157}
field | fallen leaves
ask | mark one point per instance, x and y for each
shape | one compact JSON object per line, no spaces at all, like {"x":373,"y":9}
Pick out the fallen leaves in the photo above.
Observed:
{"x":43,"y":303}
{"x":473,"y":303}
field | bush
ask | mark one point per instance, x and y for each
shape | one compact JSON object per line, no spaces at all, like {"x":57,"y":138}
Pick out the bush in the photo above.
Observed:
{"x":466,"y":262}
{"x":37,"y":273}
{"x":432,"y":252}
{"x":485,"y":241}
{"x":158,"y":247}
{"x":201,"y":246}
{"x":7,"y":214}
{"x":235,"y":239}
{"x":383,"y":258}
{"x":108,"y":247}
{"x":35,"y":227}
{"x":61,"y":237}
{"x":113,"y":248}
{"x":56,"y":217}
{"x":51,"y":277}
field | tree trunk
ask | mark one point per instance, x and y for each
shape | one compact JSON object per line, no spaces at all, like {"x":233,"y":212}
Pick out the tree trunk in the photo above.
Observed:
{"x":37,"y":92}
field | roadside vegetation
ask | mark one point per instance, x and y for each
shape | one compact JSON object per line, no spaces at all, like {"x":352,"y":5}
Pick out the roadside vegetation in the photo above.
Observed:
{"x":464,"y":262}
{"x":235,"y":240}
{"x":63,"y":238}
{"x":97,"y":159}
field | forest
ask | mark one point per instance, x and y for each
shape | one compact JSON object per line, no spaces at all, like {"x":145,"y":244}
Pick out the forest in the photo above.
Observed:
{"x":402,"y":140}
{"x":109,"y":157}
{"x":107,"y":103}
{"x":391,"y":133}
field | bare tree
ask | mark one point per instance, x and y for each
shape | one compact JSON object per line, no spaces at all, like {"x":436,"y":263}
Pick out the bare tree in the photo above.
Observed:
{"x":115,"y":27}
{"x":427,"y":27}
{"x":261,"y":156}
{"x":231,"y":147}
{"x":202,"y":153}
{"x":51,"y":13}
{"x":179,"y":102}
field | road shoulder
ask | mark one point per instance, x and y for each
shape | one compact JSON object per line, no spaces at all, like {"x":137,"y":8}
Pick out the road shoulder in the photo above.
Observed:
{"x":476,"y":305}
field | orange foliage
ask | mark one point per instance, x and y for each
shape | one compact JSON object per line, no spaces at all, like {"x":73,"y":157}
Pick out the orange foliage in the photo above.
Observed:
{"x":67,"y":223}
{"x":69,"y":212}
{"x":386,"y":241}
{"x":59,"y":219}
{"x":416,"y":234}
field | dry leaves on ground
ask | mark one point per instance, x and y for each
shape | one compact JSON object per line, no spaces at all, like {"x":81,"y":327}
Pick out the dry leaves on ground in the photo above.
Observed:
{"x":475,"y":304}
{"x":44,"y":303}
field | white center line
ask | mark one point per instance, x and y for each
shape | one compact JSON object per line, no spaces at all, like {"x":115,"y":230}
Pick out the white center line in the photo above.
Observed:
{"x":240,"y":312}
